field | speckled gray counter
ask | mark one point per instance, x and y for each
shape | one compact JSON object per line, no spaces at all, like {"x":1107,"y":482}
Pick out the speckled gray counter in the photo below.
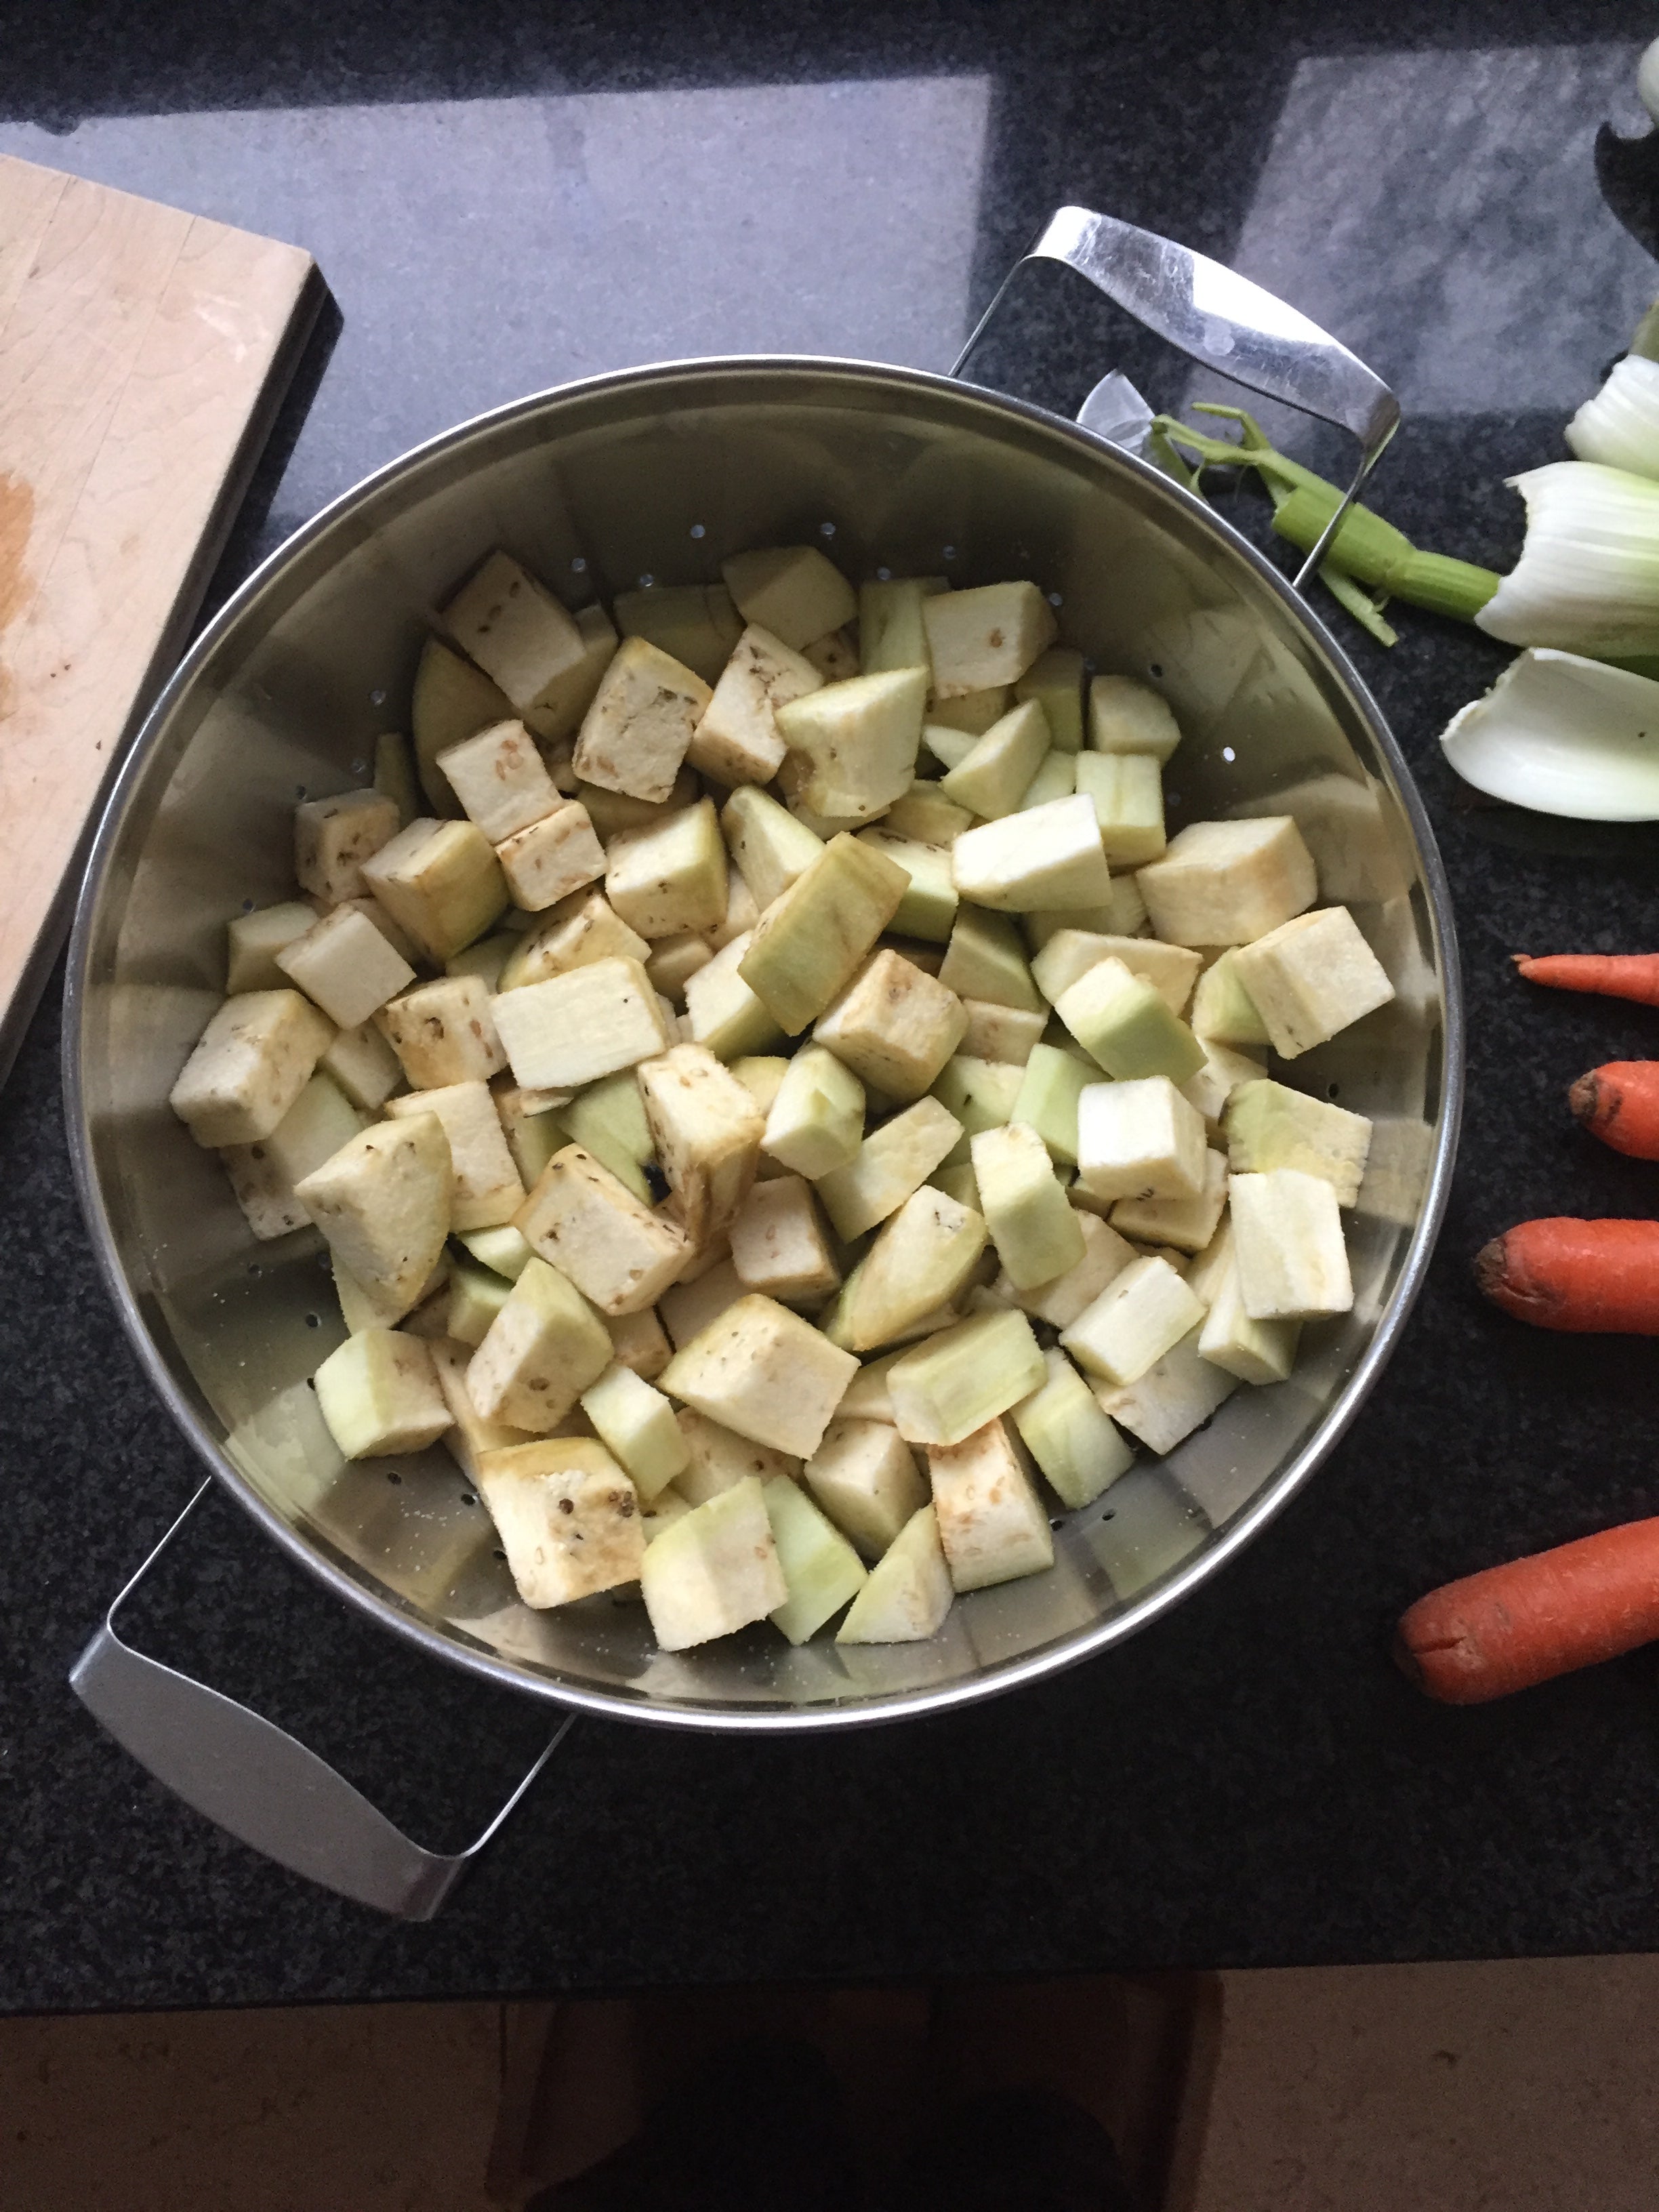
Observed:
{"x":500,"y":203}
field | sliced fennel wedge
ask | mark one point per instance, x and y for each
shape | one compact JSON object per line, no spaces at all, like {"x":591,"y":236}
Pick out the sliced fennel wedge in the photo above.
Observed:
{"x":1563,"y":735}
{"x":1588,"y":578}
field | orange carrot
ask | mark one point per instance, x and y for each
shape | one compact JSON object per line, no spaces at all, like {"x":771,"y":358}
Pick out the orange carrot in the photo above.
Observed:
{"x":1587,"y":1276}
{"x":1612,"y":975}
{"x":1511,"y":1626}
{"x":1620,"y":1103}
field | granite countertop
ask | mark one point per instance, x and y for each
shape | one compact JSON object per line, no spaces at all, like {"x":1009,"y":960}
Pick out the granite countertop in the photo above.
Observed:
{"x":500,"y":203}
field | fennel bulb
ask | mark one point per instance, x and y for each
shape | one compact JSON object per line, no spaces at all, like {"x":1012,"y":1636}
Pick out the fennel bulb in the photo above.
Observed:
{"x":1621,"y":425}
{"x":1588,"y":578}
{"x":1563,"y":735}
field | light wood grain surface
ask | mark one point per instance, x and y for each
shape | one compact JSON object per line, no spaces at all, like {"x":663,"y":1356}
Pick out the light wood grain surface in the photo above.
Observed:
{"x":144,"y":352}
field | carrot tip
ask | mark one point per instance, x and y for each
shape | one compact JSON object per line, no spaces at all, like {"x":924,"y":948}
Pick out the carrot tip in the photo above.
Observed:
{"x":1584,"y":1097}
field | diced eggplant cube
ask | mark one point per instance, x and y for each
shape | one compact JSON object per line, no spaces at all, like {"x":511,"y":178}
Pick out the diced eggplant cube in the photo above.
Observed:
{"x":568,"y":1517}
{"x":620,"y":1254}
{"x":991,"y":1521}
{"x":378,"y":1392}
{"x":249,"y":1066}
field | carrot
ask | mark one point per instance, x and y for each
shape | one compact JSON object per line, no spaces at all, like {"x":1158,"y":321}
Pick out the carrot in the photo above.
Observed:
{"x":1620,"y":1103}
{"x":1612,"y":975}
{"x":1513,"y":1625}
{"x":1586,"y":1276}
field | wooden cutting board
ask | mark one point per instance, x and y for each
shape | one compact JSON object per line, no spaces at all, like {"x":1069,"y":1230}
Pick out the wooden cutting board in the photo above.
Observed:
{"x":143,"y":355}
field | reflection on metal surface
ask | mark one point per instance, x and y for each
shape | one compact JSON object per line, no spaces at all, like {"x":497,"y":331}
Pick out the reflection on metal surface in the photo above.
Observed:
{"x":614,"y":473}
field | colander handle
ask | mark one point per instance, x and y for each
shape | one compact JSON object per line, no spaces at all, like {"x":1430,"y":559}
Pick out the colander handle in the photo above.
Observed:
{"x":1226,"y":322}
{"x":258,"y":1783}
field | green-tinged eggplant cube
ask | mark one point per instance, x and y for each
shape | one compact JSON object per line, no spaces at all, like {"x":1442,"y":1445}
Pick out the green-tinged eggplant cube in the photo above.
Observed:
{"x":1259,"y":1352}
{"x":1139,"y":1315}
{"x":991,"y":635}
{"x":894,"y":1160}
{"x":1076,"y":1446}
{"x":980,"y":1093}
{"x":1171,"y":970}
{"x":1122,"y":914}
{"x":995,"y":776}
{"x":762,"y":1076}
{"x":723,"y":1013}
{"x":717,"y":1458}
{"x":1124,"y":1022}
{"x":501,"y":779}
{"x":1223,"y":1011}
{"x":821,"y":1569}
{"x":1044,"y":856}
{"x":1287,"y":1240}
{"x":1140,"y":1139}
{"x":614,"y":813}
{"x":263,"y":1175}
{"x":486,"y":959}
{"x":620,"y":1254}
{"x":908,"y":1591}
{"x":533,"y":1132}
{"x":864,"y":1476}
{"x":1064,"y":1297}
{"x":383,"y":1203}
{"x":707,"y":1130}
{"x":770,"y":848}
{"x":926,"y":815}
{"x":991,"y":1521}
{"x":364,"y":1066}
{"x":359,"y":1310}
{"x":1176,"y":1396}
{"x":1055,"y":682}
{"x":568,"y":1517}
{"x":738,"y":741}
{"x":249,"y":1066}
{"x":556,"y":716}
{"x":541,"y":1353}
{"x":928,"y":908}
{"x":812,"y":940}
{"x":949,"y":746}
{"x":955,"y":1381}
{"x":639,"y":1341}
{"x":1037,"y":1235}
{"x":815,"y":1125}
{"x":673,"y":961}
{"x":1185,"y":1224}
{"x":707,"y":1288}
{"x":1126,"y":792}
{"x":378,"y":1392}
{"x":1055,"y":778}
{"x":555,"y":856}
{"x":475,"y":1296}
{"x":443,"y":1032}
{"x":450,"y":700}
{"x":924,"y":1255}
{"x":859,"y":739}
{"x":636,"y":734}
{"x":986,"y":960}
{"x":1000,"y":1033}
{"x":1126,"y":717}
{"x":581,"y":929}
{"x":892,"y":632}
{"x":1229,"y":883}
{"x":571,"y":1029}
{"x":608,"y":1119}
{"x":253,"y":940}
{"x":503,"y":1250}
{"x":636,"y":1424}
{"x":1269,"y":1126}
{"x":1052,"y":1082}
{"x":695,"y":625}
{"x":968,"y":714}
{"x":895,"y":1026}
{"x":866,"y":1398}
{"x":487,"y":1189}
{"x":332,"y":838}
{"x":763,"y":1371}
{"x":440,"y":882}
{"x":779,"y":1246}
{"x":1312,"y":977}
{"x":792,"y":590}
{"x":662,"y":1512}
{"x":670,"y":875}
{"x":714,"y":1570}
{"x":1222,"y":1072}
